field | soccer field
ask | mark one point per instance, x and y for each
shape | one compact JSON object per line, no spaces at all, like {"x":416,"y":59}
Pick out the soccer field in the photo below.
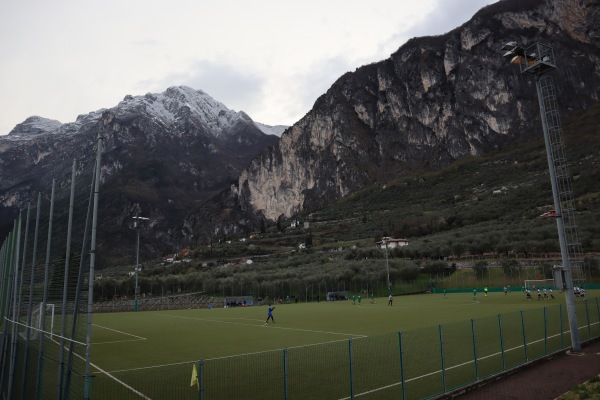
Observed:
{"x":151,"y":346}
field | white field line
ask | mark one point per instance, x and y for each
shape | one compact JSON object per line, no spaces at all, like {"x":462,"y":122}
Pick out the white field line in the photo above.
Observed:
{"x":456,"y":366}
{"x":245,"y":354}
{"x":137,"y":338}
{"x":108,"y":373}
{"x":353,"y":335}
{"x":100,"y":370}
{"x":225,"y":357}
{"x":47,"y":333}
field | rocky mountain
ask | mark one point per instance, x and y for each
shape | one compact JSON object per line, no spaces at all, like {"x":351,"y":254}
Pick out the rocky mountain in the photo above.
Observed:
{"x":163,"y":154}
{"x":435,"y":100}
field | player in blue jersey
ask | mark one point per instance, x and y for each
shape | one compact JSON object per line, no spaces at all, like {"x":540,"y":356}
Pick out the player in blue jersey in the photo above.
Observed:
{"x":270,"y":314}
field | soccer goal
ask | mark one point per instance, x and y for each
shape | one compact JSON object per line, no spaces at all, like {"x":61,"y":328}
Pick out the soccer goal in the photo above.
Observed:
{"x":238,"y":301}
{"x":539,"y":283}
{"x":37,"y":316}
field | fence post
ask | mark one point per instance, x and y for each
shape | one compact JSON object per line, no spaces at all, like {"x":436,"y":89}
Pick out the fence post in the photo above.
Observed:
{"x":201,"y":379}
{"x":350,"y":365}
{"x":562,"y":343}
{"x":474,"y":349}
{"x":587,"y":315}
{"x":598,"y":308}
{"x":45,"y":284}
{"x":401,"y":364}
{"x":545,"y":331}
{"x":13,"y":304}
{"x":442,"y":359}
{"x":285,"y":374}
{"x":524,"y":338}
{"x":501,"y":342}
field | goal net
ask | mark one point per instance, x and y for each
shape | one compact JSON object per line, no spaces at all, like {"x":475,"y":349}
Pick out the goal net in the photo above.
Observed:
{"x":39,"y":315}
{"x":533,"y":284}
{"x":238,"y":301}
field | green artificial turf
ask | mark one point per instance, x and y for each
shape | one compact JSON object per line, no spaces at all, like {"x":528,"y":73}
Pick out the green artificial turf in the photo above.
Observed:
{"x":328,"y":349}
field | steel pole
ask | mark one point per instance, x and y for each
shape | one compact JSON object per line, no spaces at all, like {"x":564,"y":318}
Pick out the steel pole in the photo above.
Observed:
{"x":566,"y":264}
{"x":137,"y":263}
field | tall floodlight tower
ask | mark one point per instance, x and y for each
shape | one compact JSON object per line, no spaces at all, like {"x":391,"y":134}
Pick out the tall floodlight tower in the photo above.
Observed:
{"x":387,"y":264}
{"x":136,"y":226}
{"x":538,"y":61}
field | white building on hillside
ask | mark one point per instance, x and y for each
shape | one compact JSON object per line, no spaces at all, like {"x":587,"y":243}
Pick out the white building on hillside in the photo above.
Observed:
{"x":391,"y":242}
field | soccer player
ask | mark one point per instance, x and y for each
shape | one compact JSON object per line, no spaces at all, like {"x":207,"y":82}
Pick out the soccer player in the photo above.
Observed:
{"x":372,"y":298}
{"x":270,"y":314}
{"x":359,"y":299}
{"x":474,"y":294}
{"x":353,"y":299}
{"x":485,"y":290}
{"x":551,"y":294}
{"x":390,"y":300}
{"x":505,"y":290}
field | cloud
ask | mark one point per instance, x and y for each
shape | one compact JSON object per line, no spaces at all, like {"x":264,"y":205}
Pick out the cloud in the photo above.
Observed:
{"x":272,"y":59}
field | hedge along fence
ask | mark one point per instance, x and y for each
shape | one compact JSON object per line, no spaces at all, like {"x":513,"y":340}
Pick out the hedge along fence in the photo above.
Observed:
{"x":414,"y":364}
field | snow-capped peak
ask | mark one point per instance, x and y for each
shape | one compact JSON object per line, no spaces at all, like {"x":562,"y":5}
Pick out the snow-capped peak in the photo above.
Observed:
{"x":166,"y":106}
{"x":33,"y":126}
{"x":276,"y":130}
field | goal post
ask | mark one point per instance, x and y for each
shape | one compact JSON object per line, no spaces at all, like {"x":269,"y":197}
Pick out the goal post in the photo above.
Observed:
{"x":540,"y":283}
{"x":37,"y":316}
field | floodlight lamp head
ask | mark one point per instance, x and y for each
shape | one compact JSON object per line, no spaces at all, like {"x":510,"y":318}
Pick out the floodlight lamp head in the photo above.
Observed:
{"x":509,"y":46}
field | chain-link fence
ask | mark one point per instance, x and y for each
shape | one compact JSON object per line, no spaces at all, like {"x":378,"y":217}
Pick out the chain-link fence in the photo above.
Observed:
{"x":45,"y":264}
{"x":415,"y":364}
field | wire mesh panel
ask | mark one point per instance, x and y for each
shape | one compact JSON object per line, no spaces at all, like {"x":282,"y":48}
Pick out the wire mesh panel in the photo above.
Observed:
{"x":513,"y":339}
{"x":376,"y":367}
{"x":459,"y":354}
{"x":556,"y":321}
{"x":254,"y":376}
{"x":319,"y":371}
{"x":46,"y":278}
{"x":533,"y":328}
{"x":489,"y":346}
{"x":586,"y":318}
{"x":422,"y":363}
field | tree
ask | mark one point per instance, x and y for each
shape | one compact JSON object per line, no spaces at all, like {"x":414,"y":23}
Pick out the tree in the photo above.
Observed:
{"x":309,"y":240}
{"x":480,"y":268}
{"x":263,"y":228}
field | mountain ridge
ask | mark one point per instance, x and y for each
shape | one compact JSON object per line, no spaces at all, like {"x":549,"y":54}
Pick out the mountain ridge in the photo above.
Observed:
{"x":433,"y":101}
{"x":162,"y":154}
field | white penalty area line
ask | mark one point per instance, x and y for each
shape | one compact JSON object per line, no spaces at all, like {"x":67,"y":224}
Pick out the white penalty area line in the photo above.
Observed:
{"x":114,"y":378}
{"x":137,"y":338}
{"x":263,"y":325}
{"x":47,"y":333}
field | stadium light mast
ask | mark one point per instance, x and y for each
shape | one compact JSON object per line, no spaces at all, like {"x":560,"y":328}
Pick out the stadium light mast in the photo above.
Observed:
{"x":538,"y":60}
{"x":385,"y":240}
{"x":136,"y":226}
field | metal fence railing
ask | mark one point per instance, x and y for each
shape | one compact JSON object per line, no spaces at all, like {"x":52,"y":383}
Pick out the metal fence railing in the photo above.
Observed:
{"x":45,"y":265}
{"x":415,"y":364}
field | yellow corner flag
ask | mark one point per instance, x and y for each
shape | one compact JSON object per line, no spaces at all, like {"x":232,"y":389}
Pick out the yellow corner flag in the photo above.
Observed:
{"x":195,"y":377}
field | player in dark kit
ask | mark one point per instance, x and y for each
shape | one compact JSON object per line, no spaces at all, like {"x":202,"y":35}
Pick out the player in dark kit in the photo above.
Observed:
{"x":270,"y":314}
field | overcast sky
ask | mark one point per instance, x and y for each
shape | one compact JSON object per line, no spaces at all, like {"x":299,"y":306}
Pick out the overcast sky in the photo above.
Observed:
{"x":269,"y":58}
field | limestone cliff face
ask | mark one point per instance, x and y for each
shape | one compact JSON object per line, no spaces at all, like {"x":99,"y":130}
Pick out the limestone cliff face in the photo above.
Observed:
{"x":433,"y":101}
